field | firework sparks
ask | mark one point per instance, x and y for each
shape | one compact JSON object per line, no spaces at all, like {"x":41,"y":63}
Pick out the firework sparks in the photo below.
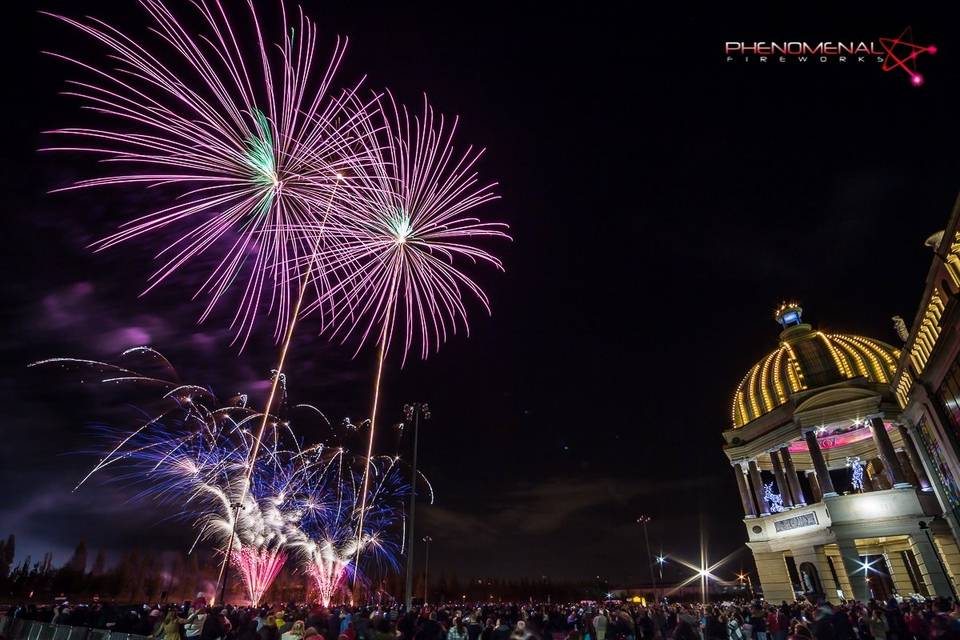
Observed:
{"x":328,"y":569}
{"x":396,"y":256}
{"x":253,"y":144}
{"x":192,"y":450}
{"x":259,"y":568}
{"x":326,"y":541}
{"x":261,"y":174}
{"x":410,"y":223}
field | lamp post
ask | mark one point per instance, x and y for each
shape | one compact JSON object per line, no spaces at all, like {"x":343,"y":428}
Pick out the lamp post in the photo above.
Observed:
{"x":661,"y":559}
{"x":412,"y":411}
{"x":643,"y":520}
{"x":237,"y":506}
{"x":426,"y":568}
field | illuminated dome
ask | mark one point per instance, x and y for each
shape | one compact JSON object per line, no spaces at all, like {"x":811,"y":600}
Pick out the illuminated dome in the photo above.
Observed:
{"x":807,"y":359}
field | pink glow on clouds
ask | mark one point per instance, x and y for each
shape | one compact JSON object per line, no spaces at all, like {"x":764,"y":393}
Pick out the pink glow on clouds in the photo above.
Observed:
{"x":130,"y":337}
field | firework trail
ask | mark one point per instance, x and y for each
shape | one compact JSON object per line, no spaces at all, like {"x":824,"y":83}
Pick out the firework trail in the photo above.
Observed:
{"x":298,"y":189}
{"x":251,"y":142}
{"x":192,"y":451}
{"x":398,"y":254}
{"x":255,"y":146}
{"x":326,"y":541}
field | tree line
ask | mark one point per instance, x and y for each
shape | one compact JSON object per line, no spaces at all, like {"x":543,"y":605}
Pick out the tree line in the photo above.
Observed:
{"x":147,"y":576}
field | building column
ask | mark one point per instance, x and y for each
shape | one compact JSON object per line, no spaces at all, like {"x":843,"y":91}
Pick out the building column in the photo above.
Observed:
{"x":817,"y":495}
{"x":843,"y":582}
{"x":746,"y":500}
{"x":830,"y":584}
{"x":949,"y":552}
{"x":914,"y":455}
{"x":774,"y":576}
{"x":908,"y":471}
{"x":820,"y":465}
{"x":930,"y":569}
{"x":792,"y":479}
{"x":878,"y":474}
{"x":757,"y":483}
{"x":890,"y":461}
{"x":781,"y":479}
{"x":898,"y":572}
{"x":850,"y":558}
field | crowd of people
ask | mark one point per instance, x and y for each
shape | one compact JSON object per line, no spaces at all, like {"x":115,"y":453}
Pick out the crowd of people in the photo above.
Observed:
{"x":893,"y":620}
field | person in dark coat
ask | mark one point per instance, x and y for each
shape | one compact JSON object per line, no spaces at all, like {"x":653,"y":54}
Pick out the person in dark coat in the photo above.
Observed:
{"x":214,"y":626}
{"x":430,"y":629}
{"x":842,"y":627}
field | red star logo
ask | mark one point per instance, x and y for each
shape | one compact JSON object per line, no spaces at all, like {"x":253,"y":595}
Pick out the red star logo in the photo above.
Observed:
{"x":902,"y":54}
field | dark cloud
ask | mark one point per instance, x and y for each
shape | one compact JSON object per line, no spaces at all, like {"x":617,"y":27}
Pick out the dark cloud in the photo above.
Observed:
{"x":532,"y":525}
{"x":76,"y":308}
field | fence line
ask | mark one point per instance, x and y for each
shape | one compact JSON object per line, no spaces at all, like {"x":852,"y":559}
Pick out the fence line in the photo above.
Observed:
{"x":20,"y":629}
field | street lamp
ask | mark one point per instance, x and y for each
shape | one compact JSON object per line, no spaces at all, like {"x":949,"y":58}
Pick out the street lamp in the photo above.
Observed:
{"x":661,"y":560}
{"x":413,"y":411}
{"x":426,"y":568}
{"x":643,"y":520}
{"x":746,"y":583}
{"x":236,"y":506}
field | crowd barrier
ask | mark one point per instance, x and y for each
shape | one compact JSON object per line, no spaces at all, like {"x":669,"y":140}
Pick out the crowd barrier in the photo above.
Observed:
{"x":32,"y":630}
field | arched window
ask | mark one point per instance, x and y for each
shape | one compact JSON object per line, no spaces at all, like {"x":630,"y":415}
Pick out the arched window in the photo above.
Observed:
{"x":810,"y":579}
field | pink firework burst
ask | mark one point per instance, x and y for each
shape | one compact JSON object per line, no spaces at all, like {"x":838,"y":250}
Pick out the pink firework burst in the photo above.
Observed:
{"x":329,"y":572}
{"x":408,"y":232}
{"x":252,"y":142}
{"x":258,"y":568}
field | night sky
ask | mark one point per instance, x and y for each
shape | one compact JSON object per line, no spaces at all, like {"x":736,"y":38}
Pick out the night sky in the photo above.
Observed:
{"x":662,"y":204}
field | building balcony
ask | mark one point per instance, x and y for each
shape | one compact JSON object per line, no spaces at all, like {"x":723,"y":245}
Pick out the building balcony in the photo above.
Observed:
{"x":860,"y":514}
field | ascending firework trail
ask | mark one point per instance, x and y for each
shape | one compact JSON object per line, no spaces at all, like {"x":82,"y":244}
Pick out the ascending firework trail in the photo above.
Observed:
{"x":296,"y":189}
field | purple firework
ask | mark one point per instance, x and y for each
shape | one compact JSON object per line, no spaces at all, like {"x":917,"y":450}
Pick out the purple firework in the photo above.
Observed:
{"x":409,"y":227}
{"x":253,"y":142}
{"x":397,"y":257}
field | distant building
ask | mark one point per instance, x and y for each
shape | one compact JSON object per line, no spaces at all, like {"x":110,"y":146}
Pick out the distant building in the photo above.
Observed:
{"x":841,"y":499}
{"x":649,"y":594}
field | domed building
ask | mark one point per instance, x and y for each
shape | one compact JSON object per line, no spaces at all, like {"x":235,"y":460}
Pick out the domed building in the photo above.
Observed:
{"x":837,"y":500}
